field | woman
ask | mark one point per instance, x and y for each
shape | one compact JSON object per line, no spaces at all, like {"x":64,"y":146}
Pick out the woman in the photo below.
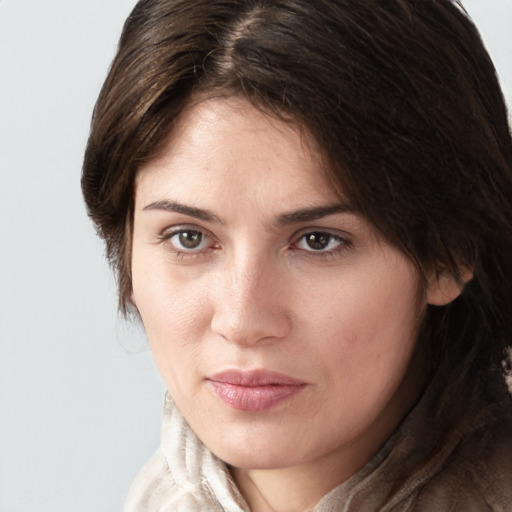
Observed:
{"x":309,"y":206}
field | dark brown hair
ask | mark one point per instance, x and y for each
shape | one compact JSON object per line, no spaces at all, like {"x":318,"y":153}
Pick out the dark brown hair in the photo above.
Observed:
{"x":400,"y":95}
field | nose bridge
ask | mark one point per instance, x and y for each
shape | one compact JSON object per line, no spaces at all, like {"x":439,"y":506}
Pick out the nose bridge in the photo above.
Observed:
{"x":248,"y":280}
{"x":248,"y":308}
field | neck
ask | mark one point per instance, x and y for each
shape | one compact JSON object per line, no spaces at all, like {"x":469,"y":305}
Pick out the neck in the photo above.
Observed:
{"x":284,"y":489}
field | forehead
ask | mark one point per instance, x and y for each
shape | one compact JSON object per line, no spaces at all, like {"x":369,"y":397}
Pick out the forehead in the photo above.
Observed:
{"x":222,"y":147}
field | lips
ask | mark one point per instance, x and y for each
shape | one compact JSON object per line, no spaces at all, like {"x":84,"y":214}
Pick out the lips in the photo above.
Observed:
{"x":254,"y":391}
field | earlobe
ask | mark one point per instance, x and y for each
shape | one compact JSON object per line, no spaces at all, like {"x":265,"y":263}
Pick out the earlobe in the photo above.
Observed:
{"x":132,"y":306}
{"x":445,"y":288}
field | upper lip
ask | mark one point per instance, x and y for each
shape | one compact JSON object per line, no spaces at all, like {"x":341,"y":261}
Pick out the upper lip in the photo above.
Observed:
{"x":252,"y":378}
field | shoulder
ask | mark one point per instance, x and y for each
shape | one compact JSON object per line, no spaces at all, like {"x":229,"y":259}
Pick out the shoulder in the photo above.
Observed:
{"x":477,"y":477}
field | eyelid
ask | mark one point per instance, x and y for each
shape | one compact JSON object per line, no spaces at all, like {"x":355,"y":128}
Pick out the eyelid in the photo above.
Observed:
{"x":169,"y":231}
{"x":343,"y":235}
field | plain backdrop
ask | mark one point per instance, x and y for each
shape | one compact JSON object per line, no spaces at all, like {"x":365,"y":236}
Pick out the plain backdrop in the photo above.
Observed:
{"x":80,"y":399}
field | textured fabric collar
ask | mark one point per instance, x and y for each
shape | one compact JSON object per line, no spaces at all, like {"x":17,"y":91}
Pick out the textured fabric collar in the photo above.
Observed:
{"x":204,"y":482}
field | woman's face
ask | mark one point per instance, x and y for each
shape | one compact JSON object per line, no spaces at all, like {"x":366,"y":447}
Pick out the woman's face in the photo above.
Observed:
{"x":281,"y":324}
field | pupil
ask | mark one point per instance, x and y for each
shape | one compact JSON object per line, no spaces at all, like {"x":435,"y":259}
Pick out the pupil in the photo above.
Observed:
{"x":190,"y":239}
{"x":318,"y":241}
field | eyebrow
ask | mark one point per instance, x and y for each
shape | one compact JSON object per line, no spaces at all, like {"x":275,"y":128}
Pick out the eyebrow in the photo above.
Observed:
{"x":293,"y":217}
{"x":313,"y":213}
{"x":190,"y":211}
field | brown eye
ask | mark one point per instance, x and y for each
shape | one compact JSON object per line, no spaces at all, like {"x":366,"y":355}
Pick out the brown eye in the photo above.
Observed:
{"x":189,"y":240}
{"x":319,"y":241}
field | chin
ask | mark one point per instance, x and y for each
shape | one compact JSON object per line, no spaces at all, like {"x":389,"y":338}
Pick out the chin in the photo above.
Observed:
{"x":257,"y":451}
{"x":253,"y":459}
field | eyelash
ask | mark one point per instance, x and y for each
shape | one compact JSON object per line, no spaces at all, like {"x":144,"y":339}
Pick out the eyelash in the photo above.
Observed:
{"x":343,"y":243}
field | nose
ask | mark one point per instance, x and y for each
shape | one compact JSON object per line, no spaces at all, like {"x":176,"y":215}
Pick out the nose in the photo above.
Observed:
{"x":250,"y":303}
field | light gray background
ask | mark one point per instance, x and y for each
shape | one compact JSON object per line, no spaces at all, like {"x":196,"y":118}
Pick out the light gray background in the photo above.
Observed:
{"x":80,"y":399}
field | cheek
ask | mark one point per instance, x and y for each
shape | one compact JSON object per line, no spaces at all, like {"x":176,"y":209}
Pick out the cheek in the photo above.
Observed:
{"x":165,"y":299}
{"x":172,"y":321}
{"x":173,"y":334}
{"x":174,"y":315}
{"x":365,"y":323}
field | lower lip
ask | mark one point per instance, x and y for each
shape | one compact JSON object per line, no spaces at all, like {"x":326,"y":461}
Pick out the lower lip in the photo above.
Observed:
{"x":254,"y":398}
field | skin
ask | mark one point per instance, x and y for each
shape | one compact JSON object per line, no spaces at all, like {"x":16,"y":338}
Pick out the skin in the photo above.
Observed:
{"x":252,"y":294}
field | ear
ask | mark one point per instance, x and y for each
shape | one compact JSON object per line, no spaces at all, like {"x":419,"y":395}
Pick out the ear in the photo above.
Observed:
{"x":132,"y":308}
{"x":443,"y":288}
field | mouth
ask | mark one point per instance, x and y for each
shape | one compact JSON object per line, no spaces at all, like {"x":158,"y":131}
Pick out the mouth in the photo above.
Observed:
{"x":254,"y":391}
